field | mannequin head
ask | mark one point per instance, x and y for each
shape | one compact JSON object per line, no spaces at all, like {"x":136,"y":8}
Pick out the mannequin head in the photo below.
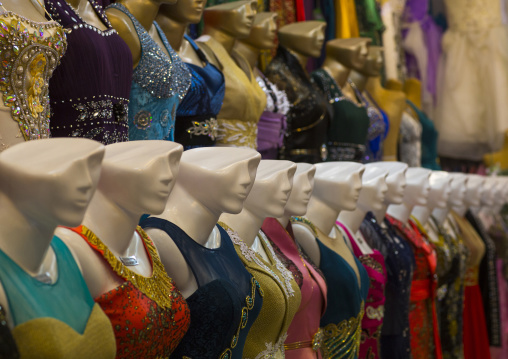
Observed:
{"x":474,"y":190}
{"x":499,"y":193}
{"x":374,"y":62}
{"x":352,"y":53}
{"x":184,"y":11}
{"x":488,"y":192}
{"x":303,"y":184}
{"x":220,"y":178}
{"x":304,"y":37}
{"x":439,"y":189}
{"x":417,"y":187}
{"x":374,"y":188}
{"x":395,"y":181}
{"x":138,"y":176}
{"x":51,"y":181}
{"x":234,"y":19}
{"x":338,"y":184}
{"x":264,"y":31}
{"x":458,"y":188}
{"x":271,"y":189}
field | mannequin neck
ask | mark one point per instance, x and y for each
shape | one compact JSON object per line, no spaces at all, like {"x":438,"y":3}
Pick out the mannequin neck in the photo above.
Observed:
{"x":190,"y":214}
{"x":321,"y":215}
{"x":440,"y":215}
{"x":250,"y":53}
{"x":246,"y":224}
{"x":352,"y":219}
{"x":373,"y":84}
{"x":111,"y":223}
{"x":360,"y":80}
{"x":284,"y":220}
{"x":402,"y":212}
{"x":173,"y":30}
{"x":32,"y":236}
{"x":302,"y":59}
{"x":380,"y":215}
{"x":225,"y":39}
{"x":144,"y":11}
{"x":422,"y":214}
{"x":336,"y":70}
{"x":460,"y":210}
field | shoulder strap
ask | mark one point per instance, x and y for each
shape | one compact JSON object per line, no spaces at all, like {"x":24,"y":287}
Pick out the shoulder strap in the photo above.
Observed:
{"x":140,"y":30}
{"x":196,"y":48}
{"x":304,"y":220}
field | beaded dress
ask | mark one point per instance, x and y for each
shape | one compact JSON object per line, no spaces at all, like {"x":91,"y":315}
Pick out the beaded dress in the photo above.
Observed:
{"x":159,"y":83}
{"x":378,"y":129}
{"x":89,"y":91}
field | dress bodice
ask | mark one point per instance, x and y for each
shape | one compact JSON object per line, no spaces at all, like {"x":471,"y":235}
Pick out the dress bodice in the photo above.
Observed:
{"x":308,"y":117}
{"x":32,"y":51}
{"x":378,"y":129}
{"x":243,"y":103}
{"x":89,"y":90}
{"x":429,"y":137}
{"x":196,"y":122}
{"x":349,"y":124}
{"x":281,"y":299}
{"x":64,"y":309}
{"x":159,"y":83}
{"x":303,"y":333}
{"x":152,"y":308}
{"x":473,"y":16}
{"x":410,"y":147}
{"x":226,"y":303}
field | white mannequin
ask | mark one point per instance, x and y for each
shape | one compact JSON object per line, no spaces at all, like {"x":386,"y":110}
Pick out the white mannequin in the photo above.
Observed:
{"x":211,"y":181}
{"x":473,"y":195}
{"x":136,"y":178}
{"x":438,"y":196}
{"x":268,"y":197}
{"x":43,"y":184}
{"x":416,"y":193}
{"x":337,"y":187}
{"x":499,"y":195}
{"x":372,"y":197}
{"x":458,"y":187}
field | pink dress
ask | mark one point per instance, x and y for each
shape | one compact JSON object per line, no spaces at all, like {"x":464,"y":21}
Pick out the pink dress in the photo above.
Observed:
{"x":372,"y":321}
{"x":303,"y":333}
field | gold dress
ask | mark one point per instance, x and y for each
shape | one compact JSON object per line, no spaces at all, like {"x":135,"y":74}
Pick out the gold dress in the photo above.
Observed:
{"x":346,"y":19}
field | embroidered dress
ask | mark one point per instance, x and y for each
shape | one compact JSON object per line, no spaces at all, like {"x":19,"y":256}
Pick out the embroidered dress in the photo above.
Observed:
{"x":281,"y":299}
{"x":55,"y":320}
{"x":148,"y":314}
{"x":159,"y":83}
{"x":378,"y":129}
{"x":89,"y":90}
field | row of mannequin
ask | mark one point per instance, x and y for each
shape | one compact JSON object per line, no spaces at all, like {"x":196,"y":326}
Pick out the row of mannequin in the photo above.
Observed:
{"x":130,"y":73}
{"x":188,"y":287}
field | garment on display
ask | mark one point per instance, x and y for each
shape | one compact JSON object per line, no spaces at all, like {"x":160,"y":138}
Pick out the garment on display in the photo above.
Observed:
{"x":378,"y":129}
{"x":89,"y":90}
{"x":410,"y":147}
{"x":8,"y":348}
{"x":369,"y":20}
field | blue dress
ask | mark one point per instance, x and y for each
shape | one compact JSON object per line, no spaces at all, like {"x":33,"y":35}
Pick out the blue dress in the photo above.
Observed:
{"x":196,"y":123}
{"x":159,"y":83}
{"x":226,"y":303}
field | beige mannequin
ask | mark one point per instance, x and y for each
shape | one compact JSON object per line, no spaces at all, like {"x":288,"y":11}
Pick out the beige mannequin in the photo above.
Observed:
{"x":413,"y":90}
{"x":145,"y":12}
{"x":371,"y":67}
{"x":85,"y":10}
{"x":303,"y":39}
{"x":174,"y":19}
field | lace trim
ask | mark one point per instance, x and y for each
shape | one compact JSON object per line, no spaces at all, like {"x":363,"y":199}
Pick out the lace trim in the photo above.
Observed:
{"x":273,"y":350}
{"x":158,"y":287}
{"x":375,"y":313}
{"x":237,"y":133}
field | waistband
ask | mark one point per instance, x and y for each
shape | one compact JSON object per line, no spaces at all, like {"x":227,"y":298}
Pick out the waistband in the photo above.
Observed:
{"x":315,"y":343}
{"x":471,"y":276}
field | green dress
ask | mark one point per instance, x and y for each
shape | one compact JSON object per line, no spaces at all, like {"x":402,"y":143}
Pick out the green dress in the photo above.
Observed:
{"x":369,"y":20}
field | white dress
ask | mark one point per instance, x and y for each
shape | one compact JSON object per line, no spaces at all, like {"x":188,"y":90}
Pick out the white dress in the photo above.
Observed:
{"x":472,"y":109}
{"x":391,"y":13}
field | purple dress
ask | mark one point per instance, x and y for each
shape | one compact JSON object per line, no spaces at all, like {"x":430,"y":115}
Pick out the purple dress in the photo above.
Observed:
{"x":89,"y":91}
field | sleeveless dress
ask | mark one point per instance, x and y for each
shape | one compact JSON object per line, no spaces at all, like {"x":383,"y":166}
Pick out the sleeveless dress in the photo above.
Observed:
{"x":304,"y":337}
{"x":378,"y":129}
{"x":350,"y":122}
{"x":149,"y":315}
{"x":400,"y":264}
{"x":281,"y":299}
{"x":341,"y":323}
{"x":308,"y":117}
{"x":226,"y":303}
{"x":425,"y":341}
{"x":196,"y":116}
{"x":25,"y":90}
{"x":372,"y":321}
{"x":243,"y":103}
{"x":159,"y":83}
{"x":58,"y":320}
{"x":89,"y":91}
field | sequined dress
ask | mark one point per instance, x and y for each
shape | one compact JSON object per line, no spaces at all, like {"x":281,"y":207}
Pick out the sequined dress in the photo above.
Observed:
{"x":159,"y":83}
{"x":378,"y":129}
{"x":148,"y":314}
{"x":31,"y":52}
{"x":400,"y":264}
{"x":89,"y":90}
{"x":226,"y":302}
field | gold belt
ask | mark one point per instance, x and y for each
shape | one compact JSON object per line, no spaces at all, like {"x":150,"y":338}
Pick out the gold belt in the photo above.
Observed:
{"x":315,"y":343}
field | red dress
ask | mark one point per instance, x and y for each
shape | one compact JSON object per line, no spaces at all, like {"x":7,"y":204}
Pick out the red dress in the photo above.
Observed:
{"x":148,"y":314}
{"x":425,"y":341}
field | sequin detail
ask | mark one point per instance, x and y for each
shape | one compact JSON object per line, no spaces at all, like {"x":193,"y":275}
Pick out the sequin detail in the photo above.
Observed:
{"x":273,"y":351}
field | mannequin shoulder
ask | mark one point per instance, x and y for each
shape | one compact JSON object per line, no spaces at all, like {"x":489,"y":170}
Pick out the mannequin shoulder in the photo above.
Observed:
{"x":127,"y":31}
{"x":307,"y":240}
{"x":201,"y":42}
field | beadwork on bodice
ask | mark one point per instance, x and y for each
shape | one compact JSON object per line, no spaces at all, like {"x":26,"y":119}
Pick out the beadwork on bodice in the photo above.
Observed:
{"x":473,"y":16}
{"x":30,"y":53}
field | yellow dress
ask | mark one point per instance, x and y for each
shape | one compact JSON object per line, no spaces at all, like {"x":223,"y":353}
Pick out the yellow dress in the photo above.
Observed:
{"x":281,"y":300}
{"x":346,"y":19}
{"x":244,"y":101}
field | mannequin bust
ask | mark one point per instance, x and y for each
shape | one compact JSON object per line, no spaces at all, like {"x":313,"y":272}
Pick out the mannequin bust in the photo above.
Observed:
{"x":488,"y":192}
{"x":303,"y":39}
{"x":136,"y":178}
{"x":458,"y":186}
{"x":336,"y":187}
{"x":210,"y":181}
{"x":268,"y":197}
{"x":415,"y":194}
{"x":43,"y":184}
{"x":372,"y":198}
{"x":438,"y":196}
{"x":413,"y":90}
{"x":371,"y":67}
{"x":473,"y":195}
